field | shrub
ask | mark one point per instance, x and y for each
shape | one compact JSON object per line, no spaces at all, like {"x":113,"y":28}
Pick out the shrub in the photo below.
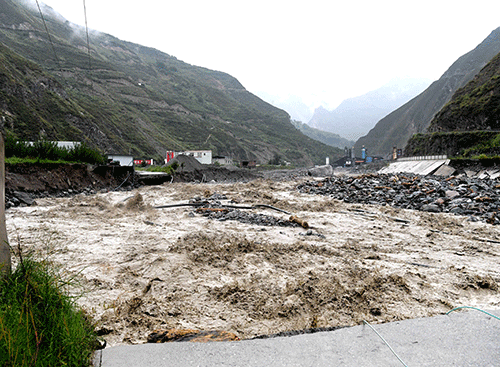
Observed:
{"x":48,"y":150}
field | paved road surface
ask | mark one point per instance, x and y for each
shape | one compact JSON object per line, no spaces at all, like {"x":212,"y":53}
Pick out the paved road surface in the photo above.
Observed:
{"x":463,"y":338}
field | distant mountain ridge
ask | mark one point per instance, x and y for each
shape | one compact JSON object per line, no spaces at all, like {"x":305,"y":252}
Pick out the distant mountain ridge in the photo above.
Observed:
{"x":355,"y":116}
{"x":131,"y":98}
{"x":325,"y":137}
{"x":415,"y":116}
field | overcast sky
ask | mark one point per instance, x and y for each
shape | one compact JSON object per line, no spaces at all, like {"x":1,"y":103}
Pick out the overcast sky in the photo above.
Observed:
{"x":323,"y":51}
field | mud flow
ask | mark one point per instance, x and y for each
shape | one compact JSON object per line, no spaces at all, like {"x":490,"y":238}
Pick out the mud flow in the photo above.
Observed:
{"x":140,"y":268}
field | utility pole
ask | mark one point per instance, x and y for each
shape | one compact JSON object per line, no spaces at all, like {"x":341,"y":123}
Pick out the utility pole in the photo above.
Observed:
{"x":5,"y":261}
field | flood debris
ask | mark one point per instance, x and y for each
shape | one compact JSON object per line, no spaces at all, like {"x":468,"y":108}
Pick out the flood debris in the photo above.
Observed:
{"x":478,"y":199}
{"x":249,"y":218}
{"x":190,"y":335}
{"x":299,"y":221}
{"x":219,"y":207}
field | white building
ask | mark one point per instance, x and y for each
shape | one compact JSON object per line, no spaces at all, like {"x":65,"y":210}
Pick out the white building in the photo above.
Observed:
{"x":202,"y":156}
{"x":125,"y":160}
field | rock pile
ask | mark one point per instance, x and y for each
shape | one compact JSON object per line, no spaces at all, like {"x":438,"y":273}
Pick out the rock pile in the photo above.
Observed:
{"x":249,"y":218}
{"x":213,"y":208}
{"x":476,"y":198}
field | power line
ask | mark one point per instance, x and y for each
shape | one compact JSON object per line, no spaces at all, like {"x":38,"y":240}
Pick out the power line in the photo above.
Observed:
{"x":87,"y":31}
{"x":48,"y":34}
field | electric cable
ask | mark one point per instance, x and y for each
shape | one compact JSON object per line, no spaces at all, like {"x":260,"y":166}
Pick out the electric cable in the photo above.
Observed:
{"x":473,"y":308}
{"x":126,"y":179}
{"x":48,"y":35}
{"x":381,"y":337}
{"x":87,"y":32}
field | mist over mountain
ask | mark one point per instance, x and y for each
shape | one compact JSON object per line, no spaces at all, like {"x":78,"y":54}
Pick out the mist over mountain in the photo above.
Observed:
{"x":354,"y":117}
{"x":294,"y":105}
{"x":331,"y":139}
{"x":415,"y":116}
{"x":126,"y":98}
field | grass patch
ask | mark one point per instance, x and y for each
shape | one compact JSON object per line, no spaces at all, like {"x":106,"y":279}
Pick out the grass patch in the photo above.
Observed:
{"x":165,"y":169}
{"x":15,"y":160}
{"x":40,"y":324}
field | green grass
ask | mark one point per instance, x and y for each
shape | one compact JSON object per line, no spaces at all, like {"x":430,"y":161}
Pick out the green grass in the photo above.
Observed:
{"x":40,"y":324}
{"x":166,"y":169}
{"x":15,"y":160}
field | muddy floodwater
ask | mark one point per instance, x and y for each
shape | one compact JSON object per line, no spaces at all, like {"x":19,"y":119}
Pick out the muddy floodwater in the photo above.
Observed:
{"x":139,"y":268}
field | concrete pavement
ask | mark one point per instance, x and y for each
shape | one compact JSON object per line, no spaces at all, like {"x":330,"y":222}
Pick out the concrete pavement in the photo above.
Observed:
{"x":422,"y":167}
{"x":462,"y":338}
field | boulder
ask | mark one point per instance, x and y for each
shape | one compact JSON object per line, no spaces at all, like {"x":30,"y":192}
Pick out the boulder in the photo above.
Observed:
{"x":321,"y":171}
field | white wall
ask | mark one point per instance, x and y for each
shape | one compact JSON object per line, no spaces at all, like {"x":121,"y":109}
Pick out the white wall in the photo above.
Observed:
{"x":125,"y":160}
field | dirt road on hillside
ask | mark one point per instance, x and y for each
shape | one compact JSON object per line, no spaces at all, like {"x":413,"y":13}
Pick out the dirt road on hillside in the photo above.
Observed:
{"x":143,"y":268}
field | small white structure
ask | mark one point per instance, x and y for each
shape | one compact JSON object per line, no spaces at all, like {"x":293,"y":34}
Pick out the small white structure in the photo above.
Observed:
{"x":61,"y":144}
{"x":68,"y":144}
{"x":222,"y":160}
{"x":125,"y":160}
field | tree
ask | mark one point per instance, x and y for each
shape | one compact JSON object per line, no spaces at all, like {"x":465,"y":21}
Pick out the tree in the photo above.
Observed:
{"x":5,"y":261}
{"x":276,"y":160}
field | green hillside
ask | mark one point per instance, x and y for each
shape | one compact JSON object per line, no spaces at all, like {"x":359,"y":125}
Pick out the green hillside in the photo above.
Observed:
{"x":469,"y":125}
{"x":129,"y":98}
{"x":475,"y":106}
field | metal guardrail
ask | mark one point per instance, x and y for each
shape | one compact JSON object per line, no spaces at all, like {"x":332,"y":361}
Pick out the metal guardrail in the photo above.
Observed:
{"x":423,"y":158}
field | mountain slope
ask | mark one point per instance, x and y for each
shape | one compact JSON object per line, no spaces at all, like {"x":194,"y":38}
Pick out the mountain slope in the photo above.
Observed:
{"x":416,"y":115}
{"x":35,"y":105}
{"x":354,"y":117}
{"x":476,"y":106}
{"x":469,"y":124}
{"x":137,"y":99}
